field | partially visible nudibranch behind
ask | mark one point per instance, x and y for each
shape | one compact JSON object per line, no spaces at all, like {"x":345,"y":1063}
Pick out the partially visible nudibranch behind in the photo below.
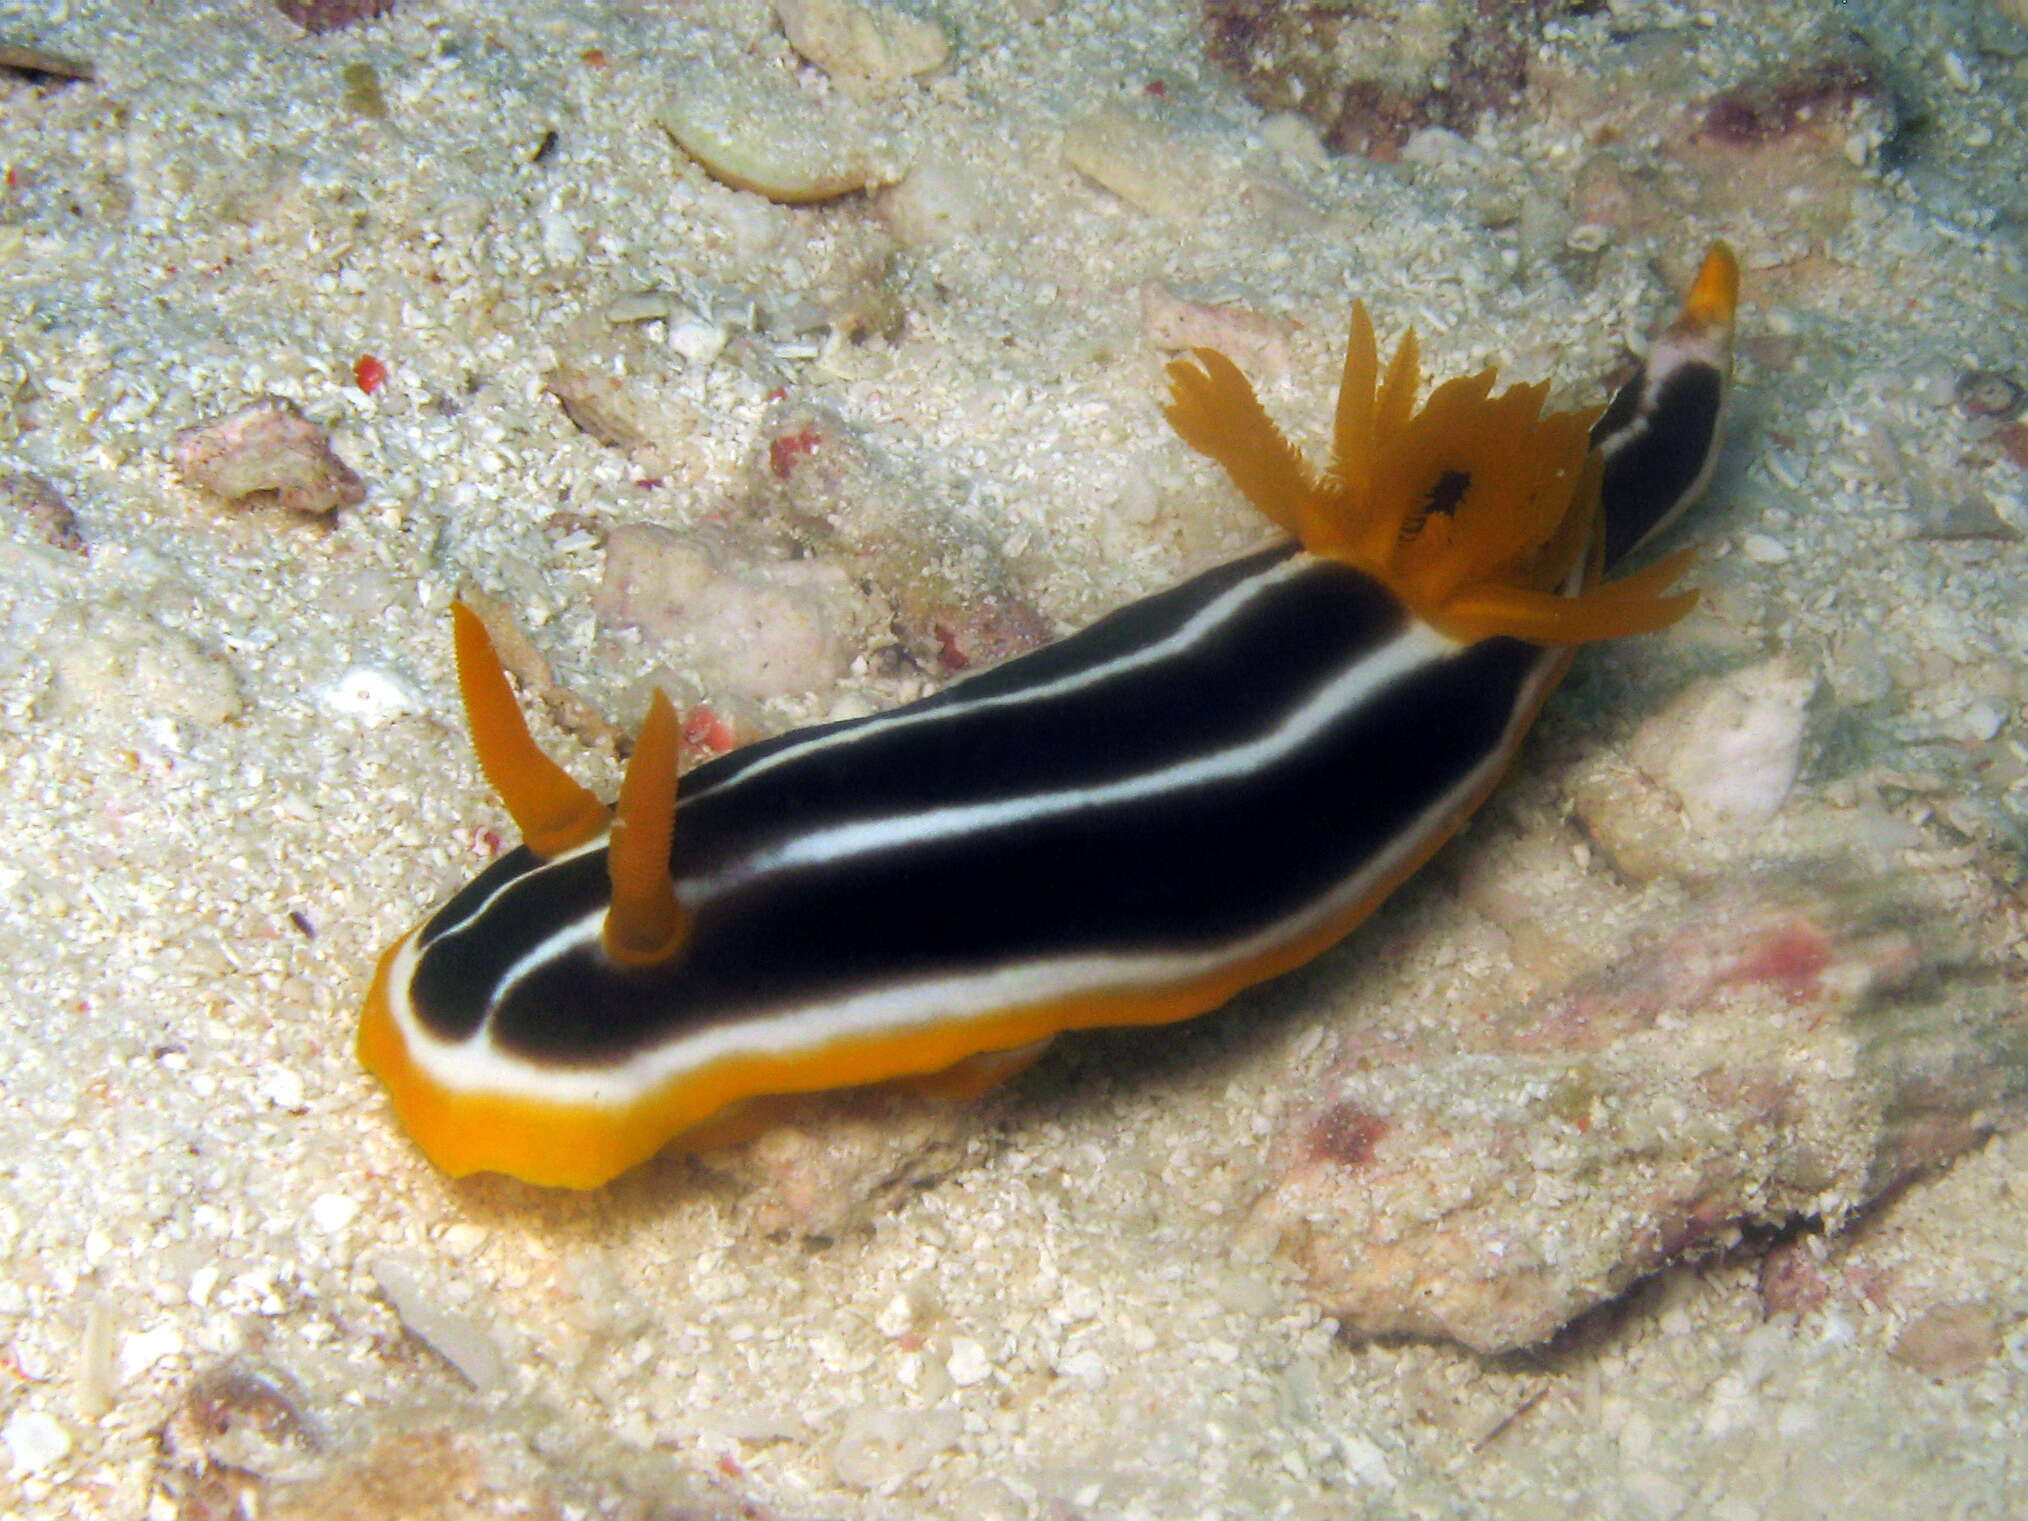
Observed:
{"x":1201,"y":790}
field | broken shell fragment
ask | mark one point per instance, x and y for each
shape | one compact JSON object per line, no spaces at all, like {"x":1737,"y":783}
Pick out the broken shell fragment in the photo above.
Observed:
{"x":758,"y":132}
{"x":44,"y":507}
{"x":1148,"y":161}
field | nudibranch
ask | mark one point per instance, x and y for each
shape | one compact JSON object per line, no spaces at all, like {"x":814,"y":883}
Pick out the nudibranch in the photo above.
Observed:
{"x":1201,"y":790}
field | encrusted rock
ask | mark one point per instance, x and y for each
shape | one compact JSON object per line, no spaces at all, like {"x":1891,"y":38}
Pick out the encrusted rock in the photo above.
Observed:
{"x":756,"y":130}
{"x":1702,"y":779}
{"x":1728,"y":748}
{"x":316,"y":16}
{"x":1948,"y":1340}
{"x":935,"y":204}
{"x":630,"y":412}
{"x":825,"y":483}
{"x":125,"y":664}
{"x":43,"y":505}
{"x":742,"y":624}
{"x":1370,"y":74}
{"x":1782,"y":1051}
{"x":829,"y":1161}
{"x":1147,"y":160}
{"x":267,"y":454}
{"x":869,"y":48}
{"x":461,"y":1471}
{"x":1250,"y":340}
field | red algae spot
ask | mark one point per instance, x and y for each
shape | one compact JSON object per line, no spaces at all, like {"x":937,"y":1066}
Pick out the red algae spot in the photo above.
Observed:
{"x":1318,"y":61}
{"x":950,"y":651}
{"x":705,"y":731}
{"x":1772,"y":105}
{"x":1791,"y":958}
{"x":1345,"y":1134}
{"x":786,"y":452}
{"x":316,"y":16}
{"x":1699,"y":1225}
{"x":1792,"y":1280}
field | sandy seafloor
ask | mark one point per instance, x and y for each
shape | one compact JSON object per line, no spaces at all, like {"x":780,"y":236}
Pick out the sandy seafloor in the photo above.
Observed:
{"x":207,"y":845}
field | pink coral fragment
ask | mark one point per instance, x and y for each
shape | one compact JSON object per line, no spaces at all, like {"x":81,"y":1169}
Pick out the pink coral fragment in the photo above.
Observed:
{"x":316,"y":16}
{"x":267,"y":453}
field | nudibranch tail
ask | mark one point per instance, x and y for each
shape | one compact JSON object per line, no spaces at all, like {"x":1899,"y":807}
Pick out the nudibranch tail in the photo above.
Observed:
{"x":645,"y":925}
{"x":1658,"y":438}
{"x":1714,"y":295}
{"x":553,"y":813}
{"x":1478,"y":509}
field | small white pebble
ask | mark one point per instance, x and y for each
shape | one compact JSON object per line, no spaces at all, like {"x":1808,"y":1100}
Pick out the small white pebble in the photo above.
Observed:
{"x":1080,"y":1301}
{"x":1365,"y":1462}
{"x":968,"y":1363}
{"x":560,"y":241}
{"x":372,"y":697}
{"x":141,"y":1350}
{"x":894,"y":1317}
{"x":331,"y":1213}
{"x":35,"y":1440}
{"x":283,"y":1088}
{"x":34,"y":1360}
{"x":202,"y":1282}
{"x":696,"y":340}
{"x":1086,"y":1368}
{"x":1765,"y":551}
{"x":1983,"y":719}
{"x":642,"y":306}
{"x":1286,"y":132}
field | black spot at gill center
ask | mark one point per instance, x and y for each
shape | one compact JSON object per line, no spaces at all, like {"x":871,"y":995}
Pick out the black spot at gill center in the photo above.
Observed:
{"x":1444,"y":496}
{"x":1449,"y":490}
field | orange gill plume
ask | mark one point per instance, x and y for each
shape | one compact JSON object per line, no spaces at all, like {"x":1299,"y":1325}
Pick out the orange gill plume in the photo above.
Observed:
{"x":1479,"y":510}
